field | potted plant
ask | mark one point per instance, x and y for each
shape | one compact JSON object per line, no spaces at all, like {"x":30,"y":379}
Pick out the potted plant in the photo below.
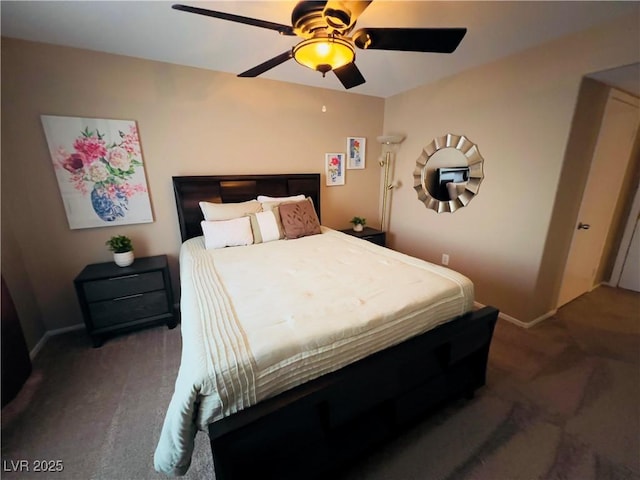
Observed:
{"x":122,"y":250}
{"x":358,"y":223}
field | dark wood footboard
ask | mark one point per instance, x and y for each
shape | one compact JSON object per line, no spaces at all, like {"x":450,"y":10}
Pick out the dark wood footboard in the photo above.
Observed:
{"x":317,"y":427}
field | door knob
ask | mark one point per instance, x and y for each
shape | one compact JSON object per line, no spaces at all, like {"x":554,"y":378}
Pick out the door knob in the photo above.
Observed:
{"x":583,"y":226}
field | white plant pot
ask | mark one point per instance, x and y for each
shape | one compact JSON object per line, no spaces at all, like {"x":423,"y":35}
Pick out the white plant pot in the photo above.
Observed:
{"x":357,"y":227}
{"x":123,"y":259}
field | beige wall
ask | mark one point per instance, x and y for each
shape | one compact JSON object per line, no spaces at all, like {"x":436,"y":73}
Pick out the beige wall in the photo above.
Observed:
{"x":519,"y":111}
{"x":190,"y":121}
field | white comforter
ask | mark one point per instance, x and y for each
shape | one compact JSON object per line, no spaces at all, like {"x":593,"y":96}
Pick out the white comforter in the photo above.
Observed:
{"x":261,"y":319}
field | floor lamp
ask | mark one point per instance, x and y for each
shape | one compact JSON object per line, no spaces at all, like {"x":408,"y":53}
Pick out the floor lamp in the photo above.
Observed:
{"x":389,"y":144}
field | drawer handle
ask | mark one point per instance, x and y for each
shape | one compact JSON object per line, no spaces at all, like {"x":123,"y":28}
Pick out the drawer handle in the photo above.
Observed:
{"x":127,"y":297}
{"x":126,"y":276}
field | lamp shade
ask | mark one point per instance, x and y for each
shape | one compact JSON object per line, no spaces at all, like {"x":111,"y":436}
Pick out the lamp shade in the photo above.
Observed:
{"x":324,"y":53}
{"x":390,"y":139}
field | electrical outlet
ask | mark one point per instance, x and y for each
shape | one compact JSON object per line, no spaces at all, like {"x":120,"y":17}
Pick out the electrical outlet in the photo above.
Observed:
{"x":445,"y":259}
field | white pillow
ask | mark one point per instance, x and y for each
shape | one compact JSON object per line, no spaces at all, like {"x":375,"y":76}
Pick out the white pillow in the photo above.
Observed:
{"x":226,"y":211}
{"x":266,"y":226}
{"x":293,"y":198}
{"x":227,"y":233}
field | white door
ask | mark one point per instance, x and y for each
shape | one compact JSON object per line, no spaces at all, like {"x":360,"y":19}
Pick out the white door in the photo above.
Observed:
{"x":630,"y":277}
{"x":628,"y":258}
{"x":608,"y":166}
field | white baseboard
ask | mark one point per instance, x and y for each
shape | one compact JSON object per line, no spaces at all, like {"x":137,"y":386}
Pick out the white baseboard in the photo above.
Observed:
{"x":35,"y":350}
{"x":58,"y":331}
{"x":517,"y":322}
{"x":50,"y":333}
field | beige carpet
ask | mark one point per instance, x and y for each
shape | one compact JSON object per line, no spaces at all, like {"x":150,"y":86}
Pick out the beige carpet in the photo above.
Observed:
{"x":562,"y":401}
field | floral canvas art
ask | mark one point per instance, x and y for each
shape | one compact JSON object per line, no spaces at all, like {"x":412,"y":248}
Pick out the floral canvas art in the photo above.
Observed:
{"x":334,"y":168}
{"x":100,"y":171}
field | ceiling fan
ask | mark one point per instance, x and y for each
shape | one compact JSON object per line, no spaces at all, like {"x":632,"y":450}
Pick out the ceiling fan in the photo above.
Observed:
{"x":328,"y":45}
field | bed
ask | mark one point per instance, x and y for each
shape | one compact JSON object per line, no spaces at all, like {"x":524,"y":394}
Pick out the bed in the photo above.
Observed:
{"x":301,"y":354}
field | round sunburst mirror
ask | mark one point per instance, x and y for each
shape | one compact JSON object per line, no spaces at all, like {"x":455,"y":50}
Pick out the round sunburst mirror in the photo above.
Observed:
{"x":448,"y":173}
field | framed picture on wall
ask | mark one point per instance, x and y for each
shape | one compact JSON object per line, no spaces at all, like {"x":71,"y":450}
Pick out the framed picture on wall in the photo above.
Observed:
{"x":334,"y":168}
{"x":100,"y":172}
{"x":356,"y":152}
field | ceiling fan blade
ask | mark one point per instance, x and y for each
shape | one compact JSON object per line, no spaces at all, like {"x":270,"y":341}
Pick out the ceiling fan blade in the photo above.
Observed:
{"x":349,"y":75}
{"x":438,"y":40}
{"x":282,"y":29}
{"x":342,"y":14}
{"x":268,"y":65}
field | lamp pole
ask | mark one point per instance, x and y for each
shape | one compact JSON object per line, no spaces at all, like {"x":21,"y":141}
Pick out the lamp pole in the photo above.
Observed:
{"x":386,"y":187}
{"x":389,"y":142}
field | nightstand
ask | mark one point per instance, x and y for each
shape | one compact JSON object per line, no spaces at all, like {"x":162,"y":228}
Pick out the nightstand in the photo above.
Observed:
{"x":116,"y":299}
{"x":370,"y":234}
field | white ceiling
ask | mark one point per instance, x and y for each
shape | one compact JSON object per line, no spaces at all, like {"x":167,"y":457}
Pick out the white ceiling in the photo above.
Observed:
{"x":152,"y":30}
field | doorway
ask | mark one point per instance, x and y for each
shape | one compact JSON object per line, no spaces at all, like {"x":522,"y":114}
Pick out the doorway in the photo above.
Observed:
{"x":609,"y":164}
{"x":626,"y":270}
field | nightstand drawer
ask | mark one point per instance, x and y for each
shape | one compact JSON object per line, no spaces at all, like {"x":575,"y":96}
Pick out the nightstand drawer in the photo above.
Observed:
{"x":378,"y":239}
{"x":123,"y":286}
{"x":116,"y":299}
{"x":369,"y":234}
{"x":128,"y":308}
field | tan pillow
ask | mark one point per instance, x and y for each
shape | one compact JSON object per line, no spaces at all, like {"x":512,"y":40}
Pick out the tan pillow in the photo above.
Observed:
{"x":270,"y":206}
{"x":299,"y":219}
{"x":266,"y":226}
{"x":228,"y":211}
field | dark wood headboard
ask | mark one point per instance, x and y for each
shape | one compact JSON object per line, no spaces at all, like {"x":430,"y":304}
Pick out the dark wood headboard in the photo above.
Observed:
{"x":189,"y":191}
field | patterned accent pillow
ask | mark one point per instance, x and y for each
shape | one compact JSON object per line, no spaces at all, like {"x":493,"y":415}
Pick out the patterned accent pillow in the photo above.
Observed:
{"x":299,"y":219}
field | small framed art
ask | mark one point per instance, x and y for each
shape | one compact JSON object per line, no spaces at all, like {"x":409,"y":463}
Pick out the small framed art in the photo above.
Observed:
{"x":356,"y":152}
{"x":334,"y":168}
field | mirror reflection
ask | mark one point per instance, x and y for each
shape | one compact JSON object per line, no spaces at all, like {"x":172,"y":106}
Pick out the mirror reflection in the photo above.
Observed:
{"x":448,"y":173}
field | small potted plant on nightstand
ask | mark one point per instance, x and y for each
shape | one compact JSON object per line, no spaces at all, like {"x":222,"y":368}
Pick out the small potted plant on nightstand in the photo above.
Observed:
{"x":122,"y":250}
{"x":358,"y":223}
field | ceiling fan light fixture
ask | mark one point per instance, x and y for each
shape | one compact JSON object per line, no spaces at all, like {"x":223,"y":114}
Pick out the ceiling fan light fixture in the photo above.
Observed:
{"x":324,"y":53}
